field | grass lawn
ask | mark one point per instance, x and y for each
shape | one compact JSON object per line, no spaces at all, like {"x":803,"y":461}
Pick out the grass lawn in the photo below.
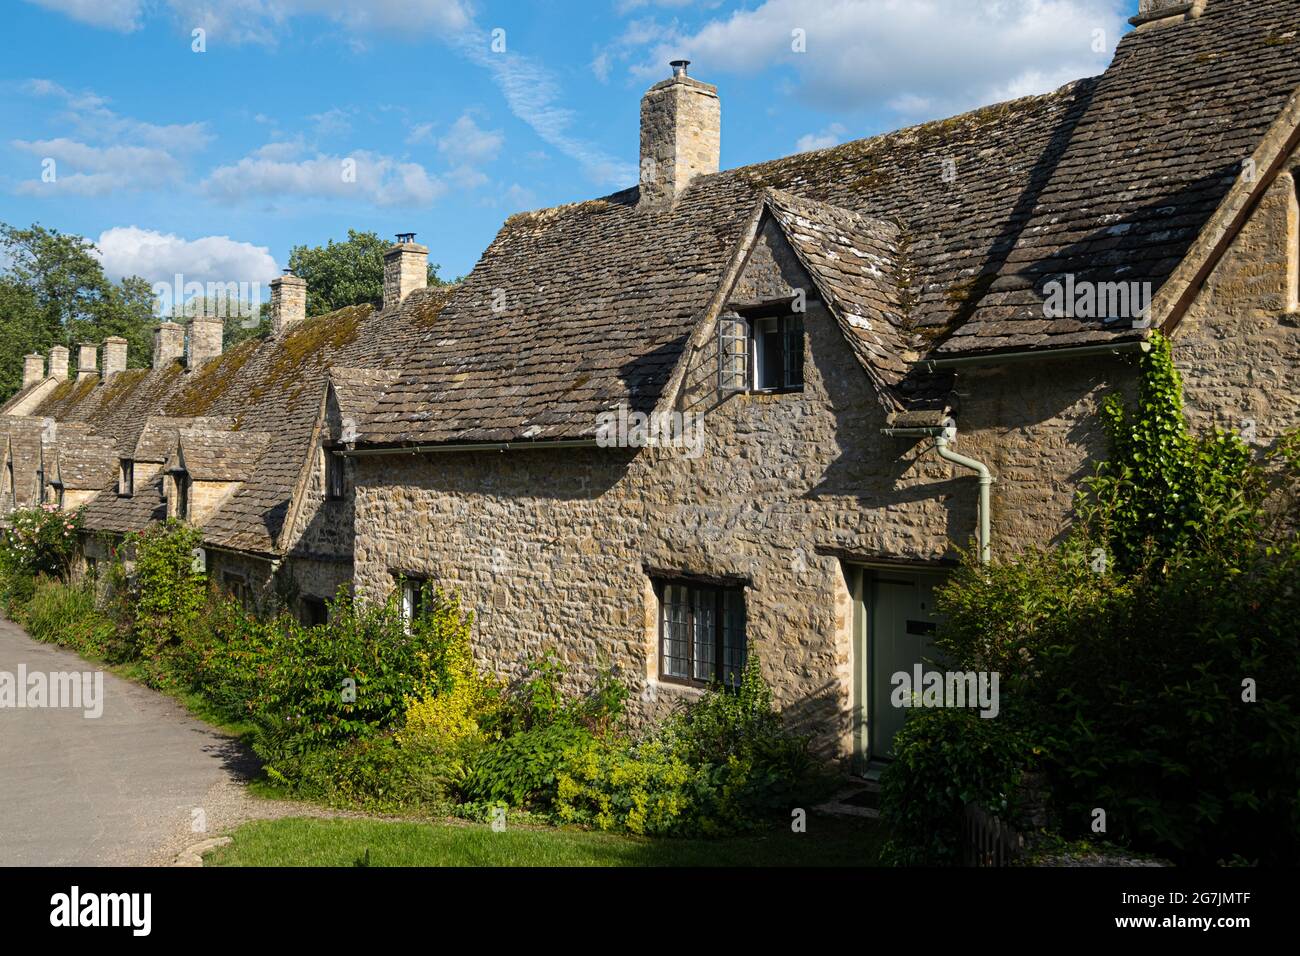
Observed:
{"x":310,"y":842}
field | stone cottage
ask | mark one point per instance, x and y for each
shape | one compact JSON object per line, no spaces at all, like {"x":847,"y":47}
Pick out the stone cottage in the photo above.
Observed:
{"x":237,"y":442}
{"x":757,"y":411}
{"x":726,"y":414}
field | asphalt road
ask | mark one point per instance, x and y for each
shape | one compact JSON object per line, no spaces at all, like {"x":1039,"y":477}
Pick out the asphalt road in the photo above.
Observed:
{"x":119,"y":789}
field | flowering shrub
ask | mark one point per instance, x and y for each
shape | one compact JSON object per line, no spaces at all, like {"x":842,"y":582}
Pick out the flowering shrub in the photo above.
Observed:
{"x":40,"y":541}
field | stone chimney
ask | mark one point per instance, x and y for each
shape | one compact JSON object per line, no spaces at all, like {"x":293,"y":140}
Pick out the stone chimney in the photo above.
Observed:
{"x":114,"y":355}
{"x":59,"y":362}
{"x":168,"y":344}
{"x":33,"y":369}
{"x":681,"y":135}
{"x":1164,"y":13}
{"x":205,"y":339}
{"x":289,"y":301}
{"x":87,"y":361}
{"x":406,"y":268}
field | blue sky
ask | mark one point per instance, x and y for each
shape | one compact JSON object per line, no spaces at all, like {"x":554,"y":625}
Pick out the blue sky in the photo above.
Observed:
{"x":454,"y":113}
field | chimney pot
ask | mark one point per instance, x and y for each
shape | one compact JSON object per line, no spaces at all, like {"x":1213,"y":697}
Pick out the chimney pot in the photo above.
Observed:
{"x":87,"y":361}
{"x":33,"y":369}
{"x":406,"y":268}
{"x":288,"y":302}
{"x":168,"y":344}
{"x":681,"y":135}
{"x":59,"y":362}
{"x":114,"y":355}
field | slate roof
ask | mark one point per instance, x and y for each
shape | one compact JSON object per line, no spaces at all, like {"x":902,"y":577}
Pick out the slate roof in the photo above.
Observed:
{"x":854,"y":262}
{"x":271,"y":388}
{"x":356,"y":390}
{"x":85,"y":461}
{"x":574,"y":309}
{"x":207,"y":454}
{"x":1161,"y":141}
{"x":160,"y":433}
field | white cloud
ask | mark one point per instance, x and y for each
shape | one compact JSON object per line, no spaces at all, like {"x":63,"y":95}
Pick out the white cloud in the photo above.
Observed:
{"x":420,"y":133}
{"x":518,"y":198}
{"x":533,"y":96}
{"x":121,"y":15}
{"x":467,"y":142}
{"x":334,"y":122}
{"x":261,"y":21}
{"x":601,"y":67}
{"x":88,"y":113}
{"x":920,"y":57}
{"x":84,"y":170}
{"x":279,"y":169}
{"x":158,"y":257}
{"x":832,"y":135}
{"x":109,"y":151}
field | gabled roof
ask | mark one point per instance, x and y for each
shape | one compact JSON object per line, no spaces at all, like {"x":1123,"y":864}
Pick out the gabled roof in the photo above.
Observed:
{"x":85,"y":462}
{"x":1163,"y":137}
{"x":855,"y":263}
{"x":574,"y":309}
{"x":206,"y":454}
{"x":356,"y":391}
{"x":158,"y":437}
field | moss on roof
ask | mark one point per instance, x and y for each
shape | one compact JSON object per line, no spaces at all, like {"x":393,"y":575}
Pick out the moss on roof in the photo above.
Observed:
{"x":210,"y":382}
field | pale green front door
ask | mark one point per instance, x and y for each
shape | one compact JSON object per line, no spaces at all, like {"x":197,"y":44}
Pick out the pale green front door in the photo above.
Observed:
{"x":897,"y":620}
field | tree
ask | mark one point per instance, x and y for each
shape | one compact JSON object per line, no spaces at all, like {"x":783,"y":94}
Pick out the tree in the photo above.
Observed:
{"x":340,"y":274}
{"x":53,"y":291}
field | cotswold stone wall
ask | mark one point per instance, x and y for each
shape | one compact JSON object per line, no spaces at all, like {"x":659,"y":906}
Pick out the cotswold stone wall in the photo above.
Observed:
{"x":1238,"y":347}
{"x":559,"y":548}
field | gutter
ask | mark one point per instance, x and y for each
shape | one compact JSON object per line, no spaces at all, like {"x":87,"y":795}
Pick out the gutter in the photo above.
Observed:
{"x":502,"y":446}
{"x":943,"y":436}
{"x":998,"y":358}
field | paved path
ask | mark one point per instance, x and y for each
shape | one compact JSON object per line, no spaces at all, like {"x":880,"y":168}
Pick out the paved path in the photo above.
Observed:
{"x":120,"y":789}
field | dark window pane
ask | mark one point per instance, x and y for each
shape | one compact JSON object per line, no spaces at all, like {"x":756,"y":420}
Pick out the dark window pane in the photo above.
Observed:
{"x":676,"y":623}
{"x":794,"y":351}
{"x":706,"y":661}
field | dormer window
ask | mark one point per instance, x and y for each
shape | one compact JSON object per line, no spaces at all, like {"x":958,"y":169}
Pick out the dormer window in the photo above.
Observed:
{"x":778,"y":353}
{"x":126,"y":478}
{"x":762,"y":353}
{"x":335,"y":479}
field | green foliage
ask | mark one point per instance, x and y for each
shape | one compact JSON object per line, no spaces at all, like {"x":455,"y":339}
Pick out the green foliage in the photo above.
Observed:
{"x":723,"y":763}
{"x":523,"y":769}
{"x":40,"y":541}
{"x":57,"y":613}
{"x":1134,"y":672}
{"x":946,"y":758}
{"x":53,"y":291}
{"x":1164,"y":491}
{"x":643,"y":788}
{"x":168,"y":592}
{"x":340,"y":274}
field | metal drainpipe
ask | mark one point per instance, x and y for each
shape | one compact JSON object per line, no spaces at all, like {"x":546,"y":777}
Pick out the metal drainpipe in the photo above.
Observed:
{"x":941,"y":443}
{"x":943,"y":436}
